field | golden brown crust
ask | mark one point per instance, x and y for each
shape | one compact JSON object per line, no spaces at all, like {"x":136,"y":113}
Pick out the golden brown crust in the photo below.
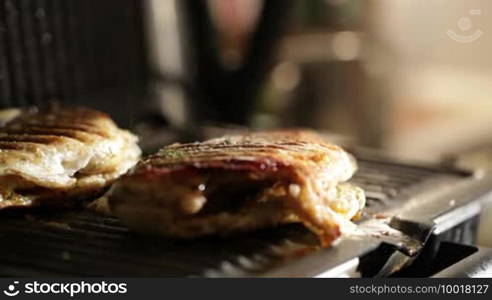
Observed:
{"x":60,"y":152}
{"x":273,"y":177}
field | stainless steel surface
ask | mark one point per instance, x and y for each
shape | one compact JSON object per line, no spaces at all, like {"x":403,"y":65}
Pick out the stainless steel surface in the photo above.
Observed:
{"x":443,"y":200}
{"x":83,"y":244}
{"x":476,"y":265}
{"x":75,"y":52}
{"x":326,"y":261}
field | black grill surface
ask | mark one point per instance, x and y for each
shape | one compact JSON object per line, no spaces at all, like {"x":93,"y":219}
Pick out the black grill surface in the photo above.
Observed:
{"x":78,"y":51}
{"x":86,"y":244}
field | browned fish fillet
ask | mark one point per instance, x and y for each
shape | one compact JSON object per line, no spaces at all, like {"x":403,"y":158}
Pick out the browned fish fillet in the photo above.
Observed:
{"x":240,"y":183}
{"x":50,"y":155}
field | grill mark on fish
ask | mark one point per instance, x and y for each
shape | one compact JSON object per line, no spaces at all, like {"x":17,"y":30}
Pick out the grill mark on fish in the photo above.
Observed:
{"x":253,"y":154}
{"x":73,"y":130}
{"x":66,"y":133}
{"x":230,"y":163}
{"x":81,"y":119}
{"x":23,"y":146}
{"x":223,"y":154}
{"x":35,"y":139}
{"x":48,"y":127}
{"x":61,"y":126}
{"x":215,"y":150}
{"x":207,"y":148}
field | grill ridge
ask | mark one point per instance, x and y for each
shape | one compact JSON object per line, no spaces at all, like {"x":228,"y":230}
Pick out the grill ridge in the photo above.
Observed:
{"x":86,"y":244}
{"x":58,"y":50}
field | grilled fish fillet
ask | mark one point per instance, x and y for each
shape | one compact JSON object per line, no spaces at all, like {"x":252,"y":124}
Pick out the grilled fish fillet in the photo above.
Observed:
{"x":241,"y":183}
{"x":51,"y":155}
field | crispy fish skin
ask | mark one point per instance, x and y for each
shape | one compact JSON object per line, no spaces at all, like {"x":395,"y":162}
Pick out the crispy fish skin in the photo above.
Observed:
{"x":49,"y":156}
{"x":241,"y":183}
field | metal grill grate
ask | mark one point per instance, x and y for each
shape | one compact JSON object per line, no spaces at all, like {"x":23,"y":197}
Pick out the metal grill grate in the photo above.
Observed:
{"x":384,"y":181}
{"x":54,"y":50}
{"x":85,"y":244}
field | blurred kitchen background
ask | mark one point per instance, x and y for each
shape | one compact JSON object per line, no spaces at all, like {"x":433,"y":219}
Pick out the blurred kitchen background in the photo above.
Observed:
{"x":410,"y":78}
{"x":388,"y":74}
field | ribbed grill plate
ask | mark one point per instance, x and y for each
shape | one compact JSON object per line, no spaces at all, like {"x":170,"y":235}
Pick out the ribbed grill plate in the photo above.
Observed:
{"x":85,"y":244}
